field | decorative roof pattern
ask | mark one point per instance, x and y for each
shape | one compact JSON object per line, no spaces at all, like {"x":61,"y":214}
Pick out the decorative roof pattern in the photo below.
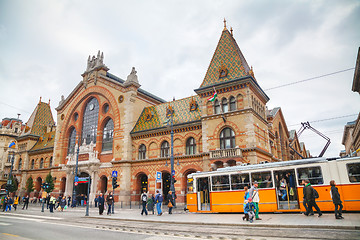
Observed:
{"x":39,"y":120}
{"x":156,"y":116}
{"x":45,"y":141}
{"x":227,"y":55}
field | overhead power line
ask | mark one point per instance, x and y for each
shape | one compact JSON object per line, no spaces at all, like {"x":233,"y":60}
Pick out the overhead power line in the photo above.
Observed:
{"x":309,"y":79}
{"x":326,"y":119}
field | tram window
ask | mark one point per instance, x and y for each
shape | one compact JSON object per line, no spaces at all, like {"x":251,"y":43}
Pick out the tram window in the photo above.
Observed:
{"x":220,"y":183}
{"x":313,"y":174}
{"x":190,"y":186}
{"x":353,"y":172}
{"x":263,"y":178}
{"x":239,"y":181}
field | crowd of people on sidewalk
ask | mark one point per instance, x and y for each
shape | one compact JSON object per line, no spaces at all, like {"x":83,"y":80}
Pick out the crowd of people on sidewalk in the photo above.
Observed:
{"x":149,"y":202}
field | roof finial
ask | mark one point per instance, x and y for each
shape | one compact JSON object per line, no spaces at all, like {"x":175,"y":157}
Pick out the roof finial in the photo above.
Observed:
{"x":40,"y":100}
{"x":231,"y":31}
{"x":224,"y":24}
{"x":49,"y":102}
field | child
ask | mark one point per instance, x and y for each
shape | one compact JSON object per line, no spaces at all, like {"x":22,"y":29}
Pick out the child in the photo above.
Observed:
{"x":245,"y":211}
{"x":249,"y":210}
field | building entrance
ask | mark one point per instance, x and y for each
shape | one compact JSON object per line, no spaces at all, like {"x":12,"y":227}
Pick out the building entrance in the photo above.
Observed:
{"x":82,"y":187}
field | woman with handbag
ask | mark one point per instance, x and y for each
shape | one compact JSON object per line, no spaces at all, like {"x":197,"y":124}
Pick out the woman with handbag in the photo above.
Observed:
{"x":171,"y":202}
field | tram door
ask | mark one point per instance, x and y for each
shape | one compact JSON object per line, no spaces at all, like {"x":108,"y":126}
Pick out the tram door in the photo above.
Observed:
{"x":203,"y":194}
{"x":286,"y":190}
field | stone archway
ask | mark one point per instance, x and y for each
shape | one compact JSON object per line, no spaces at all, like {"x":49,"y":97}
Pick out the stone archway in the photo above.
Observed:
{"x":166,"y":181}
{"x":103,"y":184}
{"x":62,"y":185}
{"x":184,"y":184}
{"x":38,"y":186}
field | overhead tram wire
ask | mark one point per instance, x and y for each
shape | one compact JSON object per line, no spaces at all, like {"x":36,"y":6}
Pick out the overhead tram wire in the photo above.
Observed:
{"x":326,"y":119}
{"x":309,"y":79}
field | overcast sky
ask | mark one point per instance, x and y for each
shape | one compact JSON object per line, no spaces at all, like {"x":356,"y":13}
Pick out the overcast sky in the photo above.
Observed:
{"x":44,"y":46}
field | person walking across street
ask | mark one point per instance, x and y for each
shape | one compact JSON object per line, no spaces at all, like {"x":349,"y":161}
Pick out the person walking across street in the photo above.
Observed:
{"x":9,"y":203}
{"x":158,"y":199}
{"x":335,"y":195}
{"x":52,"y":203}
{"x":310,"y":195}
{"x":151,"y":203}
{"x":305,"y":203}
{"x":16,"y":202}
{"x":171,"y":201}
{"x":5,"y":203}
{"x":109,"y":201}
{"x":26,"y":202}
{"x":101,"y":202}
{"x":254,"y":195}
{"x":144,"y":199}
{"x":63,"y":203}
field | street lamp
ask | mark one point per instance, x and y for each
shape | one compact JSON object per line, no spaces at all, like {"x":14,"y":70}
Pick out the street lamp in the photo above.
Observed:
{"x":9,"y":181}
{"x":172,"y":187}
{"x":76,"y":170}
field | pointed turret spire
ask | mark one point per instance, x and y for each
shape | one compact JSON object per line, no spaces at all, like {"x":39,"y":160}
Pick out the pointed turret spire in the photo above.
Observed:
{"x":225,"y":24}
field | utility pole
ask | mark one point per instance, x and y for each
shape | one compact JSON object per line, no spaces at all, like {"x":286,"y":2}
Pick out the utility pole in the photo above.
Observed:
{"x":76,"y":170}
{"x":172,"y":187}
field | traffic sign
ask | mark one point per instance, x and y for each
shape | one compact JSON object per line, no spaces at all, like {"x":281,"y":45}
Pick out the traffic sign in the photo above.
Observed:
{"x":173,"y":172}
{"x":76,"y":183}
{"x":76,"y":179}
{"x":114,"y":174}
{"x":158,"y":175}
{"x":83,"y":180}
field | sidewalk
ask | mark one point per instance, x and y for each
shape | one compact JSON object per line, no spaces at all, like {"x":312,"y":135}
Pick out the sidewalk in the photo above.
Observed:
{"x":351,"y":221}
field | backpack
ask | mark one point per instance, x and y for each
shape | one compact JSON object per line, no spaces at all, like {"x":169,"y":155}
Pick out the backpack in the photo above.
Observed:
{"x":315,"y":193}
{"x":144,"y":198}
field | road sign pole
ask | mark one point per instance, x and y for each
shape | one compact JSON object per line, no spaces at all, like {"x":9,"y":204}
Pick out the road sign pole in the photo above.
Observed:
{"x":88,"y":193}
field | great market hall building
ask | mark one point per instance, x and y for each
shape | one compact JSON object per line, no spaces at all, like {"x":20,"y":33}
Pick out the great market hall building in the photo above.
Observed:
{"x":121,"y":127}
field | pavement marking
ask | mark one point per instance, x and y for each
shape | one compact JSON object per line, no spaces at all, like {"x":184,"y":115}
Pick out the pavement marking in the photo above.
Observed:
{"x":4,"y":224}
{"x":21,"y":218}
{"x":28,"y":215}
{"x":9,"y":234}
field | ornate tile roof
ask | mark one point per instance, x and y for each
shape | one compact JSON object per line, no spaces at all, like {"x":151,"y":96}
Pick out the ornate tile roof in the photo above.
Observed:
{"x":39,"y":120}
{"x":229,"y":58}
{"x":45,"y":141}
{"x":185,"y":110}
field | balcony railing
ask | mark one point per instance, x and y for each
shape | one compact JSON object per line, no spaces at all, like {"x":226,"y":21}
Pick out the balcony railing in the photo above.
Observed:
{"x":226,"y":153}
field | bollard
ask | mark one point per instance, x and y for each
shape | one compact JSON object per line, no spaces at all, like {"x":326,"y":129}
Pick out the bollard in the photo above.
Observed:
{"x":121,"y":204}
{"x":130,"y":204}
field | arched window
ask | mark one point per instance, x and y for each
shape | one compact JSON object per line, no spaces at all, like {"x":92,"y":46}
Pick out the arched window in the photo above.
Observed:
{"x":32,"y":164}
{"x":41,"y":163}
{"x":19,"y":164}
{"x":50,"y":162}
{"x":164,"y":149}
{"x":72,"y":141}
{"x":227,"y":138}
{"x":225,"y":107}
{"x":90,"y":121}
{"x":190,"y":146}
{"x":142,"y":151}
{"x":108,"y":135}
{"x":232,"y":104}
{"x":217,"y":107}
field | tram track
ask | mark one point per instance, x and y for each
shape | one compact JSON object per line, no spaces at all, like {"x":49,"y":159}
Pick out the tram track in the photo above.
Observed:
{"x":205,"y":231}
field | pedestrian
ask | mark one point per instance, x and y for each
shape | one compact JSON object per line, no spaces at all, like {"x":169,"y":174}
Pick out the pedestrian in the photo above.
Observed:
{"x":144,"y":199}
{"x":5,"y":202}
{"x":26,"y":202}
{"x":101,"y":202}
{"x":109,"y":201}
{"x":170,"y":201}
{"x":305,"y":203}
{"x":310,"y":195}
{"x":151,"y":203}
{"x":63,"y":203}
{"x":47,"y":201}
{"x":69,"y":200}
{"x":58,"y":202}
{"x":158,"y":199}
{"x":96,"y":201}
{"x":249,"y":208}
{"x":9,"y":203}
{"x":254,"y":195}
{"x":52,"y":203}
{"x":335,"y":195}
{"x":246,"y":193}
{"x":16,"y":202}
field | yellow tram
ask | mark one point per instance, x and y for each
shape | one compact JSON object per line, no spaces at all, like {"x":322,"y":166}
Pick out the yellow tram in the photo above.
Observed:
{"x":223,"y":190}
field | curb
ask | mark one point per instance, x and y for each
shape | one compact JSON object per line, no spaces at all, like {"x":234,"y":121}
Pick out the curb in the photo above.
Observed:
{"x":233,"y":224}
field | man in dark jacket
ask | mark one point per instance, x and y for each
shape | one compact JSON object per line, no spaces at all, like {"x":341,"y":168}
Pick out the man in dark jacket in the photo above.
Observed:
{"x":309,"y":192}
{"x":101,"y":202}
{"x":109,"y":201}
{"x":305,"y":203}
{"x":26,"y":202}
{"x":335,"y":195}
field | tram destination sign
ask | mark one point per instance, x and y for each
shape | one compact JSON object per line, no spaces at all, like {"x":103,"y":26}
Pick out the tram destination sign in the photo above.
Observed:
{"x":83,"y":180}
